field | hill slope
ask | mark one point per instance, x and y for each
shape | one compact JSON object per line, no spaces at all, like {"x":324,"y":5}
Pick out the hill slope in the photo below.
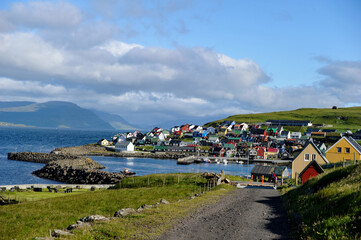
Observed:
{"x":51,"y":114}
{"x":342,"y":118}
{"x":328,"y":206}
{"x":115,"y":121}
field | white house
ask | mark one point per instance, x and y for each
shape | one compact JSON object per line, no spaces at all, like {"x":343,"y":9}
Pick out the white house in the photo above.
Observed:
{"x":296,"y":135}
{"x":124,"y":146}
{"x":103,"y":142}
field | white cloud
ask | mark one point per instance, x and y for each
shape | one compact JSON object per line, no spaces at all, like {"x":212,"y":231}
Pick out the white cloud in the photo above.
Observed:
{"x":118,"y":49}
{"x":38,"y":14}
{"x":53,"y":51}
{"x":35,"y":88}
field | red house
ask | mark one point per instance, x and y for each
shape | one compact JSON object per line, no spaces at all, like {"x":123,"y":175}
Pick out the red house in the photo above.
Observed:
{"x":185,"y":128}
{"x":312,"y":170}
{"x":260,"y":152}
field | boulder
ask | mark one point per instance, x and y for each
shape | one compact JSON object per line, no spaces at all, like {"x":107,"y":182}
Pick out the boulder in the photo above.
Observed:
{"x":93,"y":218}
{"x":60,"y":233}
{"x":144,"y":206}
{"x":163,"y":201}
{"x":78,"y":224}
{"x":124,"y":212}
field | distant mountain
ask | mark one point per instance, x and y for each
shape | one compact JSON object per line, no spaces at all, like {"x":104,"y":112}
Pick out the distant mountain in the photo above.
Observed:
{"x":115,"y":121}
{"x":51,"y":114}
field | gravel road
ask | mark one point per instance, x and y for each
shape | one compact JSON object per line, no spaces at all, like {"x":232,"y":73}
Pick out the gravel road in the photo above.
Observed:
{"x":248,"y":213}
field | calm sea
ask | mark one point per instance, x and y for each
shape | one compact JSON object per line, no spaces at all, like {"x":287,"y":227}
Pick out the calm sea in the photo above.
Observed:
{"x":45,"y":140}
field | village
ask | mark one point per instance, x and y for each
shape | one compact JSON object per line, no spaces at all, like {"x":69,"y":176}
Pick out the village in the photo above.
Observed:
{"x":304,"y":147}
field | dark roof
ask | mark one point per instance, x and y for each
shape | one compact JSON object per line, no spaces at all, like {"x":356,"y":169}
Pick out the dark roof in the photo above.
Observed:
{"x":354,"y":144}
{"x":317,"y":167}
{"x":317,"y":149}
{"x":123,"y":143}
{"x":328,"y":130}
{"x":289,"y":122}
{"x":279,"y":170}
{"x":262,"y":170}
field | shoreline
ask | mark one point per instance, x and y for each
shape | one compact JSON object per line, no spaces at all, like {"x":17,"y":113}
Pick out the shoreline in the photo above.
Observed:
{"x":71,"y":165}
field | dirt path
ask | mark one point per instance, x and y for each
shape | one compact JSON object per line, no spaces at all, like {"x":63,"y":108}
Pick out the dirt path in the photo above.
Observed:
{"x":249,"y":213}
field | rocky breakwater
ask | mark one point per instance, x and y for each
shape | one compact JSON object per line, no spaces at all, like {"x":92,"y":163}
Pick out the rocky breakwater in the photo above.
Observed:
{"x":39,"y":157}
{"x":68,"y":168}
{"x":78,"y":171}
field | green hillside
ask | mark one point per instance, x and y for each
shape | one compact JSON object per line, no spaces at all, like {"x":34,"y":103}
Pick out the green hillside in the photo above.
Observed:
{"x":342,"y":118}
{"x":328,"y":206}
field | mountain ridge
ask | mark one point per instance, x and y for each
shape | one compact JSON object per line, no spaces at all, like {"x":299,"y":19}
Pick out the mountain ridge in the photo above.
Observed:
{"x":52,"y":114}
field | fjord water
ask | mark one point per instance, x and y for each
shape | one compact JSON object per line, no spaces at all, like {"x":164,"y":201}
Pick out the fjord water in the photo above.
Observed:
{"x":45,"y":140}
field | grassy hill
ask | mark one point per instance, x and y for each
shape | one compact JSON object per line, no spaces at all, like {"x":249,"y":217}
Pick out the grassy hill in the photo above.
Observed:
{"x":342,"y":118}
{"x":328,"y":206}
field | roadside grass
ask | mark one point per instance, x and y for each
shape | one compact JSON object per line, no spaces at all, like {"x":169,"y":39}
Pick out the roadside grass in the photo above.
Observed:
{"x":34,"y":218}
{"x":151,"y":223}
{"x":328,"y":206}
{"x":236,"y":178}
{"x":29,"y":195}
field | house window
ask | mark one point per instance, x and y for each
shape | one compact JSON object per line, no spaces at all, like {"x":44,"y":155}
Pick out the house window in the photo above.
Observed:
{"x":307,"y":157}
{"x":338,"y":149}
{"x":347,"y":150}
{"x":313,"y":157}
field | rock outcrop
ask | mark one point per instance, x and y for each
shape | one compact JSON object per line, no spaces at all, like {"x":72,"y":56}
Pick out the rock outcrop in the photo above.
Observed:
{"x":78,"y":171}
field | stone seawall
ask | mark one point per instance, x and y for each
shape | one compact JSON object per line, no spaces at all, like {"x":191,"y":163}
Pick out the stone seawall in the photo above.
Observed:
{"x":38,"y":157}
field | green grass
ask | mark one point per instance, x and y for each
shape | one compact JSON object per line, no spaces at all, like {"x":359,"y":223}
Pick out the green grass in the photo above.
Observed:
{"x":328,"y":206}
{"x":29,"y":195}
{"x":34,"y":218}
{"x":342,"y":118}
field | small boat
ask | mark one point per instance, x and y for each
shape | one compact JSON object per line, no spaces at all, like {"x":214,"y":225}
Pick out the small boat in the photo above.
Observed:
{"x":127,"y":172}
{"x":206,"y":160}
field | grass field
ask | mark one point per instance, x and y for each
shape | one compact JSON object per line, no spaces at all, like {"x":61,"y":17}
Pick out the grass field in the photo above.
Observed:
{"x":34,"y":218}
{"x":328,"y":206}
{"x":29,"y":195}
{"x":342,"y":118}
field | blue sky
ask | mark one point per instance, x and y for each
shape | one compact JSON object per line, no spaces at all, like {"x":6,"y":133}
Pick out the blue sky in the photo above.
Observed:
{"x":159,"y":61}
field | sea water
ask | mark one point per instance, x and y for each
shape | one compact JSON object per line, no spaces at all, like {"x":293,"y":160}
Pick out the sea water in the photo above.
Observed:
{"x":45,"y":140}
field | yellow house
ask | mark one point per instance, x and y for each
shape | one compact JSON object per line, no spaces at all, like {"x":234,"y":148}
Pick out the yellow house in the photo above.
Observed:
{"x":345,"y":149}
{"x":309,"y":153}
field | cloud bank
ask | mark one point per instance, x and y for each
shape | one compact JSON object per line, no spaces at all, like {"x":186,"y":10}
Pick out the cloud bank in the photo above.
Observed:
{"x":55,"y":51}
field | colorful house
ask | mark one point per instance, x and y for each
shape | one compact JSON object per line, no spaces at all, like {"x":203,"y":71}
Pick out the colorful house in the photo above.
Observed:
{"x":271,"y":153}
{"x":311,"y":170}
{"x":345,"y":149}
{"x":260,"y":152}
{"x":309,"y":153}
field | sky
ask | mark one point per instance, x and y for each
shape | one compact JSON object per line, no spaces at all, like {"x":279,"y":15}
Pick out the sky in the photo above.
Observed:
{"x":155,"y":61}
